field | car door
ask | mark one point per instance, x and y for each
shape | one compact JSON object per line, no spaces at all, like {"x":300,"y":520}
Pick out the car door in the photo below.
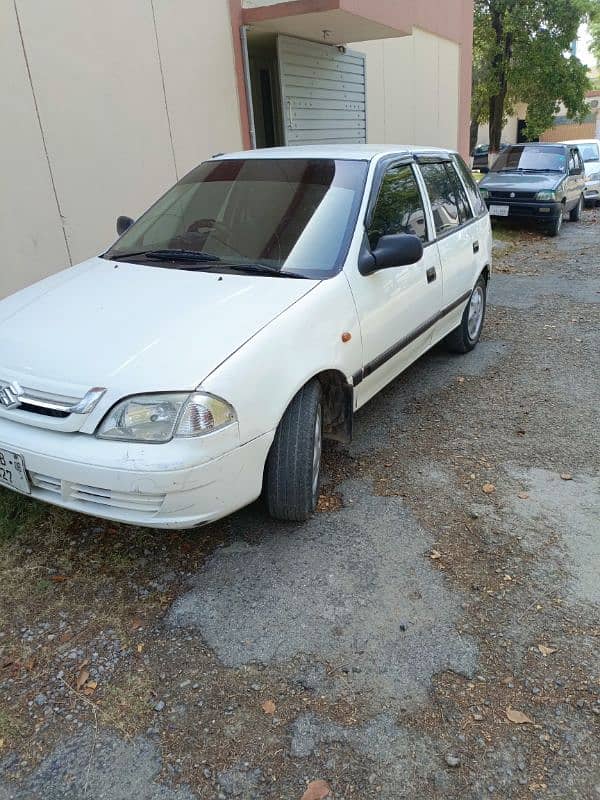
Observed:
{"x":574,"y":176}
{"x":580,"y":166}
{"x":457,"y":237}
{"x":395,"y":305}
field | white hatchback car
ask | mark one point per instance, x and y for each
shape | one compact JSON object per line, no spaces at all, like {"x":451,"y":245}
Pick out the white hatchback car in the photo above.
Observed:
{"x":590,"y":152}
{"x":247,"y":315}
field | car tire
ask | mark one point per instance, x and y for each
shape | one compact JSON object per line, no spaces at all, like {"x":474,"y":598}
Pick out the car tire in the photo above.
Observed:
{"x":575,"y":213}
{"x":554,"y":228}
{"x":464,"y":338}
{"x":293,"y":469}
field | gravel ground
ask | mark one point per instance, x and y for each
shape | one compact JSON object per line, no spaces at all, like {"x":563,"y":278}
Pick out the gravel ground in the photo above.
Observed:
{"x":432,"y":633}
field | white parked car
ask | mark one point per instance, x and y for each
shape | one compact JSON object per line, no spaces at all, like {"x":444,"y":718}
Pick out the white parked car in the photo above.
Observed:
{"x":590,"y":152}
{"x":246,"y":316}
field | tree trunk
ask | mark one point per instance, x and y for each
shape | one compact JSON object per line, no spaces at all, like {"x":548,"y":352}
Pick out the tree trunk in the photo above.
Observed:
{"x":473,"y":134}
{"x":500,"y":64}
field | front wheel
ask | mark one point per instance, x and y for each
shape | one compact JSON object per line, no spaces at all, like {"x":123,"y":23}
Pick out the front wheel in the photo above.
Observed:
{"x":465,"y":337}
{"x":293,"y":470}
{"x":575,"y":214}
{"x":554,"y":228}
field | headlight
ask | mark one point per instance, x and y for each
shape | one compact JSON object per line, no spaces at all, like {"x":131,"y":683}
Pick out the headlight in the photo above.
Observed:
{"x":160,"y":417}
{"x":484,"y":193}
{"x":546,"y":195}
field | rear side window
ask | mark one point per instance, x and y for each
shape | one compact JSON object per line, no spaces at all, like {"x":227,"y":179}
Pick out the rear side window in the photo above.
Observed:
{"x":442,"y":191}
{"x":477,"y":202}
{"x":399,"y":207}
{"x":460,"y":195}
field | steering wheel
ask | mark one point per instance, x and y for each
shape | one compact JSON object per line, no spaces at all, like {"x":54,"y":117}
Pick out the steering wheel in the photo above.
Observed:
{"x":207,"y":224}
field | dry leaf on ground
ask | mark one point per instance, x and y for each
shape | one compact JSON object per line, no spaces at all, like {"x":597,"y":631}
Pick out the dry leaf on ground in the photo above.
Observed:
{"x":517,"y":716}
{"x":435,"y":554}
{"x":523,"y":496}
{"x":545,"y":650}
{"x":268,"y":707}
{"x":58,"y":578}
{"x":317,"y":790}
{"x":566,"y":476}
{"x":488,"y":488}
{"x":82,"y":678}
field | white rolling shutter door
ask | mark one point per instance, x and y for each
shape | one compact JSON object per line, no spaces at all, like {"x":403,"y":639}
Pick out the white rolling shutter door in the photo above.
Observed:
{"x":323,"y":93}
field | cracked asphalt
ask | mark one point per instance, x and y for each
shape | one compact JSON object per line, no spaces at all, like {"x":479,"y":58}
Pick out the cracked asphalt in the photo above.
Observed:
{"x":386,"y":645}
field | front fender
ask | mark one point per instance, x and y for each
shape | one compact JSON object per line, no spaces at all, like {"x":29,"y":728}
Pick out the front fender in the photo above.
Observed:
{"x":261,"y":378}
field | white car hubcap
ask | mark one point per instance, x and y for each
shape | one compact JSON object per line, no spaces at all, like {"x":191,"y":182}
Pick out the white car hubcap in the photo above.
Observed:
{"x":475,"y":317}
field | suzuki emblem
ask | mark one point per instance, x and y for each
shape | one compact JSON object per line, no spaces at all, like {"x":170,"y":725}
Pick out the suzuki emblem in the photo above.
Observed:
{"x":10,"y":395}
{"x":512,"y":194}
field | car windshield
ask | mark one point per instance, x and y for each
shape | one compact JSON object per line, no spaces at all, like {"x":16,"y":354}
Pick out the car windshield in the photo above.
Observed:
{"x":531,"y":158}
{"x":589,"y":151}
{"x":295,"y":215}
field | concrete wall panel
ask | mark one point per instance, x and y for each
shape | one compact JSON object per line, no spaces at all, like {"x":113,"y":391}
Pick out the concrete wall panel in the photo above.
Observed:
{"x":196,"y":49}
{"x":30,"y":227}
{"x":97,"y":79}
{"x":413,"y":85}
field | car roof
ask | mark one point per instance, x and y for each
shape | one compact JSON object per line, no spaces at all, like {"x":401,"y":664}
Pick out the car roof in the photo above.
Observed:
{"x":540,"y":144}
{"x":352,"y":152}
{"x":580,"y":141}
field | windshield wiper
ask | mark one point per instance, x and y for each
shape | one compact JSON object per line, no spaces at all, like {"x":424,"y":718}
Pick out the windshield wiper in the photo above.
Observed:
{"x":264,"y":269}
{"x":196,"y":256}
{"x":528,"y":169}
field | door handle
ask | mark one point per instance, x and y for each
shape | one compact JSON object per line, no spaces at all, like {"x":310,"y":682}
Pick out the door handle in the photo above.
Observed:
{"x":475,"y":247}
{"x":431,"y":275}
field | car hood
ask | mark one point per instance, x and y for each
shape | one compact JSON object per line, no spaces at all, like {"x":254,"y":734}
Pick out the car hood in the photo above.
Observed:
{"x":133,"y":327}
{"x":521,"y":181}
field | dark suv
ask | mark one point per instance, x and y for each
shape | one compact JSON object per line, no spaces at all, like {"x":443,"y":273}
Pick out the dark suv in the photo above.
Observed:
{"x":537,"y":182}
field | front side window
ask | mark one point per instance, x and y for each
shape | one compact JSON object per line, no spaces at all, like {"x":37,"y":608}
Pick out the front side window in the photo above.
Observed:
{"x":399,"y":207}
{"x":295,"y":215}
{"x":442,"y":194}
{"x":572,"y":160}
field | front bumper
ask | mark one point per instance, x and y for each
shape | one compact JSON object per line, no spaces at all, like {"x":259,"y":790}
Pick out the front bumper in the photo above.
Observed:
{"x":534,"y":210}
{"x":157,"y":486}
{"x":592,"y":191}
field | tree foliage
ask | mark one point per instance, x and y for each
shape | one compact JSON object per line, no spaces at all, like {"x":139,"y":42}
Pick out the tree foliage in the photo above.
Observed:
{"x":522,"y":54}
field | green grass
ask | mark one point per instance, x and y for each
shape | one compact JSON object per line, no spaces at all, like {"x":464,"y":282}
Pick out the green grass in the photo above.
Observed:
{"x":16,"y":513}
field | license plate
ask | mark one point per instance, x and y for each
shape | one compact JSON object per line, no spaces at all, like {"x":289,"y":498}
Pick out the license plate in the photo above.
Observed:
{"x":12,"y":471}
{"x":499,"y":211}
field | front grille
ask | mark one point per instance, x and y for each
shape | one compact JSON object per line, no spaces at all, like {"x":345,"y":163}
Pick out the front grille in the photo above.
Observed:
{"x":94,"y":495}
{"x":517,"y":195}
{"x":15,"y":396}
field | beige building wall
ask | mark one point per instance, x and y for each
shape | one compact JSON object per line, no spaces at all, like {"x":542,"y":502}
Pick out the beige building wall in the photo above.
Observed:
{"x":103,"y":106}
{"x":402,"y":109}
{"x":510,"y":130}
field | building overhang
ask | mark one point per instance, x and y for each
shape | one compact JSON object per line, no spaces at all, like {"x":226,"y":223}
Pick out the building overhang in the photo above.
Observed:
{"x":342,"y":21}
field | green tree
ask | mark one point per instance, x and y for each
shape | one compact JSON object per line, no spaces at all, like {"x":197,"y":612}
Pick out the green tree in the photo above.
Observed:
{"x":522,"y":54}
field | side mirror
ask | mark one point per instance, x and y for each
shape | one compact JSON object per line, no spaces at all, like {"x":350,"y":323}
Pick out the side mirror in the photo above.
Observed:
{"x":123,"y":223}
{"x":394,"y":250}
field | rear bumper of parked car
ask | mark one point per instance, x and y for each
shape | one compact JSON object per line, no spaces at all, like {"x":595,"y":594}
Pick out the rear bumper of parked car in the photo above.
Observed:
{"x":109,"y":479}
{"x":534,"y":210}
